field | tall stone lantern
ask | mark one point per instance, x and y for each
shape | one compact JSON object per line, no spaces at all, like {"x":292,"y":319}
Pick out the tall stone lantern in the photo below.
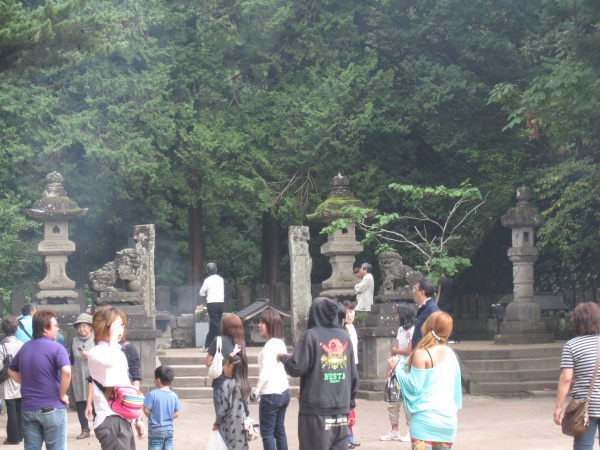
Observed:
{"x":341,"y":246}
{"x":522,"y":322}
{"x":56,"y":210}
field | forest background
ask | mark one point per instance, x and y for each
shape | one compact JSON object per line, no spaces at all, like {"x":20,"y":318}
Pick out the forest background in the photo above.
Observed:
{"x":223,"y":122}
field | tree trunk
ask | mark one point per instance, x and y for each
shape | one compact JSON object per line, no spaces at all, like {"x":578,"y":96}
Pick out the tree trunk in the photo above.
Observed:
{"x":270,"y":261}
{"x":195,"y":245}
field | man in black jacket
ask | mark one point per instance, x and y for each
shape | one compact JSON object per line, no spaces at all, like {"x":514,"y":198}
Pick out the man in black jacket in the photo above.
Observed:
{"x":423,"y":295}
{"x":324,"y":361}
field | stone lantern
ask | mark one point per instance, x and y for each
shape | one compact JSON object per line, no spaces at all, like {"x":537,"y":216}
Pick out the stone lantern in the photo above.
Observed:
{"x":56,"y":210}
{"x":522,"y":321}
{"x":341,"y":246}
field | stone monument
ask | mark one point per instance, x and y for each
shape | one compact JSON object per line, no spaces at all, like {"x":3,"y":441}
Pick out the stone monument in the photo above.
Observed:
{"x":56,"y":210}
{"x":341,"y":246}
{"x":300,"y":267}
{"x":523,"y":319}
{"x":128,"y":284}
{"x":398,"y":279}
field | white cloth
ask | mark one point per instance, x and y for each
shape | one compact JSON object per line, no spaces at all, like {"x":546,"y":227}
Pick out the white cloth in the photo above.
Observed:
{"x":108,"y":366}
{"x":10,"y":388}
{"x":364,"y":293}
{"x":404,"y":338}
{"x":353,"y":339}
{"x":271,"y":372}
{"x":213,"y":289}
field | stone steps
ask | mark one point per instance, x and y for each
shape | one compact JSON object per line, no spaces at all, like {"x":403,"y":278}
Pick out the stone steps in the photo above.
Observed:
{"x":508,"y":369}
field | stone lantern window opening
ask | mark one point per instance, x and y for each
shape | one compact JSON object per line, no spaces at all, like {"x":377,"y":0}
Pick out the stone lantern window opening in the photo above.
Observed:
{"x":56,"y":230}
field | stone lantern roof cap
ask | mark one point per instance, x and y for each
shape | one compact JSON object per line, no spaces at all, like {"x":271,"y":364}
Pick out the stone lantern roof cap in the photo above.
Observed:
{"x":55,"y":204}
{"x":340,"y":196}
{"x":523,"y":215}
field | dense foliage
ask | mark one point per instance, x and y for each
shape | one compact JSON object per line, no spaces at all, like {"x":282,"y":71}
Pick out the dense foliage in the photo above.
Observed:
{"x":239,"y":110}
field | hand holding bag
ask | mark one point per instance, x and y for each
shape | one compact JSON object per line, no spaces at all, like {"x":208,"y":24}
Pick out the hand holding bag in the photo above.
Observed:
{"x":392,"y":392}
{"x":215,"y":442}
{"x":250,"y":426}
{"x":216,"y":366}
{"x":576,"y":419}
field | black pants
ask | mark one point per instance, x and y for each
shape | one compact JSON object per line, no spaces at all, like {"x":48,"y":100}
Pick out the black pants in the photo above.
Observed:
{"x":14,"y":425}
{"x":323,"y":432}
{"x":81,"y":416}
{"x":215,"y":312}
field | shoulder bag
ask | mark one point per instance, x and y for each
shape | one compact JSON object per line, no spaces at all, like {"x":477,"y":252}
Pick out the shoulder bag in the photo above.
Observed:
{"x":5,"y":363}
{"x":576,"y":418}
{"x":126,"y":401}
{"x":216,"y":366}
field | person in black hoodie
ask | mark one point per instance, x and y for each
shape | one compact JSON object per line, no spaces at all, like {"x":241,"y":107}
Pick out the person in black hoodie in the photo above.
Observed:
{"x":324,"y":361}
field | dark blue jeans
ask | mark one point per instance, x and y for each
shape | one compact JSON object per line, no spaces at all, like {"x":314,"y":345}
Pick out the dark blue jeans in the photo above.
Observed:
{"x":271,"y":415}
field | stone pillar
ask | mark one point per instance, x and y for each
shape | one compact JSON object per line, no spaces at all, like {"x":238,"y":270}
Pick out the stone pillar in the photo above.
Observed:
{"x":163,"y":298}
{"x":17,"y":300}
{"x":523,"y":319}
{"x":55,"y":210}
{"x":300,"y":268}
{"x":341,"y":246}
{"x":185,"y":300}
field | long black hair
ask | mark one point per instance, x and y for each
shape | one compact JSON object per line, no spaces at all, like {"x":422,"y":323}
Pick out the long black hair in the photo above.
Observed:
{"x":239,"y":363}
{"x":407,"y":314}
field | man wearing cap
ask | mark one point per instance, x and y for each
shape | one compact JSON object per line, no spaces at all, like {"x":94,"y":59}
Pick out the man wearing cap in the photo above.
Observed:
{"x":78,"y":355}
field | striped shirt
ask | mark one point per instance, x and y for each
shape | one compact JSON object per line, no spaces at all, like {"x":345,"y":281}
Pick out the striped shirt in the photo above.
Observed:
{"x":579,"y":354}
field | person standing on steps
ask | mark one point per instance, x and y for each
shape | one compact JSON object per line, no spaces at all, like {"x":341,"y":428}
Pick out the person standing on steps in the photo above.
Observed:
{"x":213,"y":289}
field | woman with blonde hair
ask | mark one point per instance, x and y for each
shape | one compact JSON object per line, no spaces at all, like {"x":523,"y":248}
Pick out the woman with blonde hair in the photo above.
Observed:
{"x":431,"y":386}
{"x":108,"y":368}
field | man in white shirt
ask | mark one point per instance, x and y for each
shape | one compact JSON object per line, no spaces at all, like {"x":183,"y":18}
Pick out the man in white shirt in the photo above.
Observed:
{"x":213,"y":289}
{"x":365,"y":289}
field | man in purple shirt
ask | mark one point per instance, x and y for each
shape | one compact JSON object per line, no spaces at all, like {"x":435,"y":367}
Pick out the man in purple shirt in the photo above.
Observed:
{"x":36,"y":367}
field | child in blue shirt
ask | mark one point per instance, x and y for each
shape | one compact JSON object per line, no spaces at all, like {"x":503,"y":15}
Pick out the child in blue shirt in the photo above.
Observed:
{"x":161,"y":406}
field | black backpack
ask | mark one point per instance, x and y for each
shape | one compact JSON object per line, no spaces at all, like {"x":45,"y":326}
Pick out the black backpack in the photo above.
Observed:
{"x":5,"y":363}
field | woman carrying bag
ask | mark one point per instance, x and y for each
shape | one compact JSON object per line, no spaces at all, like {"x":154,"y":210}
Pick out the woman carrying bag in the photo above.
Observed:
{"x":577,"y":369}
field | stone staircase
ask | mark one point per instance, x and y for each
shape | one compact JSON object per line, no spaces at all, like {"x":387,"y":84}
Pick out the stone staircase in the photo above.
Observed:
{"x":191,"y":381}
{"x":509,"y":369}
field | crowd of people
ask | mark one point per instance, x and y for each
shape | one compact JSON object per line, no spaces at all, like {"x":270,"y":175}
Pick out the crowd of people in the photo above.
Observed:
{"x":99,"y":362}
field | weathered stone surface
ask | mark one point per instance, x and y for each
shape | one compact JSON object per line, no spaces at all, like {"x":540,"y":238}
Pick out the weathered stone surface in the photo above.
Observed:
{"x":186,"y":321}
{"x":282,"y":295}
{"x":300,"y":268}
{"x":262,"y":291}
{"x":163,"y":298}
{"x":185,"y":300}
{"x":398,"y":279}
{"x":227,"y":299}
{"x":243,"y":296}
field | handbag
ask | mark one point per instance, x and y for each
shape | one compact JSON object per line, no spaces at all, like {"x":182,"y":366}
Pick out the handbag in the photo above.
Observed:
{"x":216,"y":366}
{"x":392,"y":391}
{"x":576,"y":419}
{"x":5,"y":363}
{"x":126,"y":401}
{"x":250,"y":426}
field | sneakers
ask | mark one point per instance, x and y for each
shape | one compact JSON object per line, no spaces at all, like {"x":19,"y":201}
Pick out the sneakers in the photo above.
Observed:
{"x":391,"y":436}
{"x":405,"y":438}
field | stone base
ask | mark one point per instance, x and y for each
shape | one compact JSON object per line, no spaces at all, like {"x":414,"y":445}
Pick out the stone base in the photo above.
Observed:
{"x":504,"y":339}
{"x":525,"y":328}
{"x":339,"y":294}
{"x":119,"y":298}
{"x":63,"y":296}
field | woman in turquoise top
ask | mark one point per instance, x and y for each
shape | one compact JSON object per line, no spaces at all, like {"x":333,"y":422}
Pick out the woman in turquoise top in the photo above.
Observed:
{"x":431,"y":386}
